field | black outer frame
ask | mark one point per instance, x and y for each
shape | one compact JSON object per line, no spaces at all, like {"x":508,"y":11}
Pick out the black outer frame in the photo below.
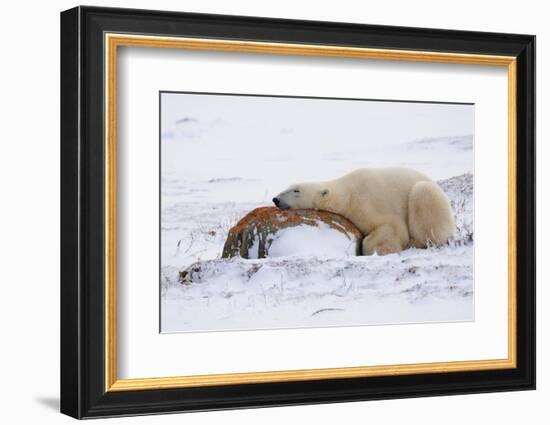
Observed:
{"x":82,"y":219}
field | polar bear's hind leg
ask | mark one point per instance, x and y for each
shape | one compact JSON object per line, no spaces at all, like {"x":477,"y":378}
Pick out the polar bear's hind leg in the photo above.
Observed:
{"x":430,"y":215}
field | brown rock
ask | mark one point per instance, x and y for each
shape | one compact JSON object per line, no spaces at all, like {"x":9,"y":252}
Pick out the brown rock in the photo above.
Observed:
{"x":262,"y":223}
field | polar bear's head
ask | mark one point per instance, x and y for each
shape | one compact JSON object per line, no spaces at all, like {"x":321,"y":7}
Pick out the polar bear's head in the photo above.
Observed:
{"x":302,"y":196}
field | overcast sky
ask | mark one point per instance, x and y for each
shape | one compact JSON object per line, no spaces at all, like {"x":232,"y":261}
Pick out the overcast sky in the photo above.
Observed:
{"x":391,"y":121}
{"x":324,"y":137}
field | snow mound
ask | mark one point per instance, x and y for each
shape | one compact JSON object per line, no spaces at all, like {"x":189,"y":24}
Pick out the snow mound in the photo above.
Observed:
{"x":320,"y":241}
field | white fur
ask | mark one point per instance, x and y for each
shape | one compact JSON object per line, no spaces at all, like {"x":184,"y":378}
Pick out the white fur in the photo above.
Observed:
{"x":394,"y":207}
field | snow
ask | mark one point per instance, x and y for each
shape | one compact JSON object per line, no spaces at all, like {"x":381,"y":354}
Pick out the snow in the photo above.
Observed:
{"x":312,"y":291}
{"x":304,"y":240}
{"x":223,"y":157}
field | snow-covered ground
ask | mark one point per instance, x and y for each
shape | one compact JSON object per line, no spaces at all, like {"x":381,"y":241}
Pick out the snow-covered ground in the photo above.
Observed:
{"x":224,"y":156}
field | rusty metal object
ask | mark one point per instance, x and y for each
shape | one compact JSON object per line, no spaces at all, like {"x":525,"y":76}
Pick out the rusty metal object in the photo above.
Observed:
{"x":262,"y":223}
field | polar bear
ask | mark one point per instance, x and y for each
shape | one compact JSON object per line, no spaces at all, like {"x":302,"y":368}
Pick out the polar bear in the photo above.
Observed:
{"x":395,"y":208}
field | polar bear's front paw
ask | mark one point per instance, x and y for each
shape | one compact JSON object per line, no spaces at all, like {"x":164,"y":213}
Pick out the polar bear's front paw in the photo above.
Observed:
{"x":383,"y":248}
{"x":383,"y":240}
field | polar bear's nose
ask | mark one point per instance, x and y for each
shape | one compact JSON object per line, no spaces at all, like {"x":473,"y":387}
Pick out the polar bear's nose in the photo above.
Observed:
{"x":276,"y":201}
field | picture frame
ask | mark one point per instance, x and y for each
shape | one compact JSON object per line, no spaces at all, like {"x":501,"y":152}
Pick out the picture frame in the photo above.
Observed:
{"x":91,"y":37}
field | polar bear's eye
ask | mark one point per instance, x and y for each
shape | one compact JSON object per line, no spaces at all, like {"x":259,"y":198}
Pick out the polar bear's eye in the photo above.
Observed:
{"x":296,"y":190}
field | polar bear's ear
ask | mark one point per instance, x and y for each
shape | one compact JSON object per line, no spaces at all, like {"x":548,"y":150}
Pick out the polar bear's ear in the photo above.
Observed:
{"x":324,"y":192}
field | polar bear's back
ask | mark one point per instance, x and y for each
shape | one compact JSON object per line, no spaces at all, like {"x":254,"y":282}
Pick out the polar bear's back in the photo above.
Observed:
{"x":388,"y":176}
{"x":386,"y":188}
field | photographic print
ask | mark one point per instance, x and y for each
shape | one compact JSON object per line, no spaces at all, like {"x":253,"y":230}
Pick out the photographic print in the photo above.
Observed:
{"x":285,"y":212}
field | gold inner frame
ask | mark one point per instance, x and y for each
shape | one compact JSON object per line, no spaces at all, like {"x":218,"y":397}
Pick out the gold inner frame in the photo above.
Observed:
{"x":113,"y":41}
